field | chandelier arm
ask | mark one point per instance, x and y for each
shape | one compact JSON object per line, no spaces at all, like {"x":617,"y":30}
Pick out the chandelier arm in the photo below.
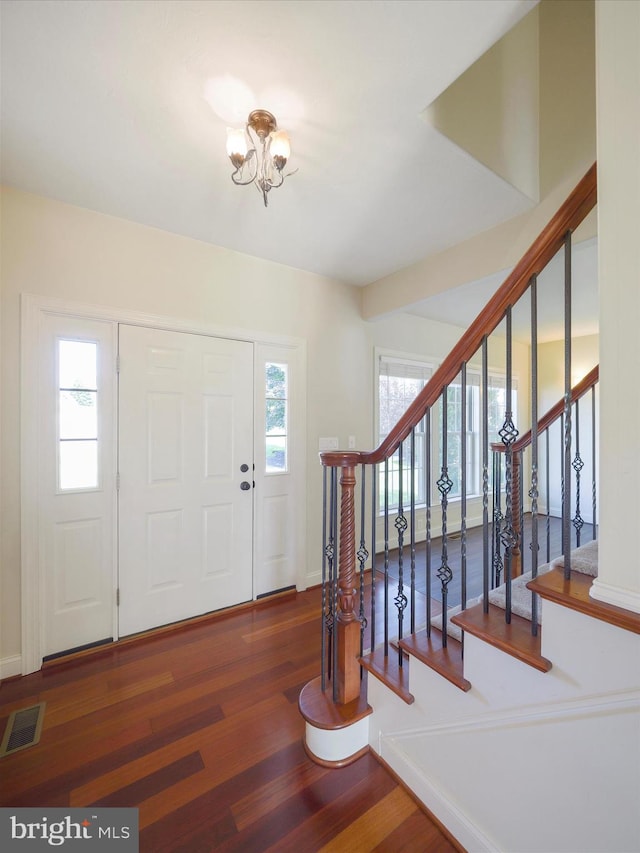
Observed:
{"x":253,"y":170}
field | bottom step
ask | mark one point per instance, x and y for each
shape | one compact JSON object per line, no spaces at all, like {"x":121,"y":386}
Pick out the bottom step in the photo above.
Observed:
{"x":387,"y":669}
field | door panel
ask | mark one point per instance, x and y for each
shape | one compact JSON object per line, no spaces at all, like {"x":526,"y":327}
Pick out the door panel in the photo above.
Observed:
{"x":76,"y":482}
{"x":186,"y":427}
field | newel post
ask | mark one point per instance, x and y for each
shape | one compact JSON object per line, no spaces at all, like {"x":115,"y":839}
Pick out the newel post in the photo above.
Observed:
{"x":347,"y":622}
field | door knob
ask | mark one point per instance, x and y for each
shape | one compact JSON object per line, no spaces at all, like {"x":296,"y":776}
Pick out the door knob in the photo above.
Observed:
{"x":244,"y":485}
{"x":244,"y":467}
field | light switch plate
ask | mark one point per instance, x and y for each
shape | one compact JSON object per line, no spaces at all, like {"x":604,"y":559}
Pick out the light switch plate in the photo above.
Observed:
{"x":330,"y":443}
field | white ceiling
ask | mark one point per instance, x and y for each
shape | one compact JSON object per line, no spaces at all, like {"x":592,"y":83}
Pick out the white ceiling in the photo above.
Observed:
{"x":103,"y":106}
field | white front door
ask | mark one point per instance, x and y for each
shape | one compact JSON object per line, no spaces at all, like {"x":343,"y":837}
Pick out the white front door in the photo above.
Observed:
{"x":76,"y":476}
{"x":186,"y":476}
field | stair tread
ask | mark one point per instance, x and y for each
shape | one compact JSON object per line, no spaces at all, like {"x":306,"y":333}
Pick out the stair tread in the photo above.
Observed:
{"x":447,"y":661}
{"x":515,"y":638}
{"x":574,"y":594}
{"x":387,"y":669}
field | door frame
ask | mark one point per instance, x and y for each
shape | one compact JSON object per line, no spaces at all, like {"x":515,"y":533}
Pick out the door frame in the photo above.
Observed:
{"x":33,"y":307}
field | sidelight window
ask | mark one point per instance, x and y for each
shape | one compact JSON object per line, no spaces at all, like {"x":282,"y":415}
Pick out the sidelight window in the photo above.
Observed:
{"x":276,"y":417}
{"x":77,"y":415}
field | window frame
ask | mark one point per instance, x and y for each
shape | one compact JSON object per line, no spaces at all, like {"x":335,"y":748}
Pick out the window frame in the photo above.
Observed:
{"x":474,"y":446}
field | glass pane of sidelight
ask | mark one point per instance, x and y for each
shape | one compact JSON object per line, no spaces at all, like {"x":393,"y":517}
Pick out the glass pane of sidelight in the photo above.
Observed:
{"x":77,"y":415}
{"x":78,"y":468}
{"x":77,"y":364}
{"x":276,"y":417}
{"x":276,"y":454}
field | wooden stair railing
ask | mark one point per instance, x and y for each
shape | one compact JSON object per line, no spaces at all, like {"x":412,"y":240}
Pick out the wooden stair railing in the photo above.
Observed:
{"x":552,"y":416}
{"x":341,"y":666}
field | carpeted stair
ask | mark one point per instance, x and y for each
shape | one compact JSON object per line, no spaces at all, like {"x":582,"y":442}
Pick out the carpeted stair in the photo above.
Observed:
{"x":583,"y":559}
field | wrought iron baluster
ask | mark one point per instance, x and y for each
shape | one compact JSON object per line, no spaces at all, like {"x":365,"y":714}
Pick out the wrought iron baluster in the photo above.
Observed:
{"x":463,"y":486}
{"x":386,"y":557}
{"x":374,"y":532}
{"x":485,"y":477}
{"x":362,"y":555}
{"x":413,"y":530}
{"x":577,"y":465}
{"x":548,"y":497}
{"x":400,"y":524}
{"x":427,"y":488}
{"x":566,"y":503}
{"x":333,"y":573}
{"x":444,"y":485}
{"x":593,"y":461}
{"x":508,"y":434}
{"x":533,"y":491}
{"x":329,"y":554}
{"x":323,"y":624}
{"x":497,"y":565}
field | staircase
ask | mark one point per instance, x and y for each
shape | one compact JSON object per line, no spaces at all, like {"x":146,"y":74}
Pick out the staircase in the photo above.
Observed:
{"x":504,"y":724}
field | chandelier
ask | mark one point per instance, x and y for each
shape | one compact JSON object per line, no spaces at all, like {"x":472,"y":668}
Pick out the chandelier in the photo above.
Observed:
{"x":259,"y":153}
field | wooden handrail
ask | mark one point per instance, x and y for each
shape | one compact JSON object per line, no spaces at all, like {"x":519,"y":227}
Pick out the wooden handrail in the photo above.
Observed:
{"x":554,"y":413}
{"x":544,"y":247}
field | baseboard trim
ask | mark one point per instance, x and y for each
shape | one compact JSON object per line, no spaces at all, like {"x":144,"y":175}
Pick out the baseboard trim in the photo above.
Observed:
{"x":433,"y":799}
{"x":10,"y":667}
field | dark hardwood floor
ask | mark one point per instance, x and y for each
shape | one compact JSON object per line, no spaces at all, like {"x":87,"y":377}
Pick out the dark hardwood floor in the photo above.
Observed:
{"x":199,"y":728}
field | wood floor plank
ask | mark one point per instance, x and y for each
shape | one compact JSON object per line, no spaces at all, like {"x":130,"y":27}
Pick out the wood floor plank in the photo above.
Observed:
{"x":60,"y":713}
{"x":374,"y":825}
{"x":199,"y":728}
{"x":225,"y":735}
{"x":142,"y":789}
{"x":413,"y":835}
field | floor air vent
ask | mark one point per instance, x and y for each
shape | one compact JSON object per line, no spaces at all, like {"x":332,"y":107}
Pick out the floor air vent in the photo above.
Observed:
{"x":23,"y":729}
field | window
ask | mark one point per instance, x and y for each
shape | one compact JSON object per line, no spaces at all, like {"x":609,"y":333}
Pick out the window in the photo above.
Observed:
{"x":77,"y":415}
{"x":399,"y":382}
{"x":276,"y":418}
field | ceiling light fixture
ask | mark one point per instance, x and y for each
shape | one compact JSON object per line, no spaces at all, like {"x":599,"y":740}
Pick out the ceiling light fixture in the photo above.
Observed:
{"x":259,"y":153}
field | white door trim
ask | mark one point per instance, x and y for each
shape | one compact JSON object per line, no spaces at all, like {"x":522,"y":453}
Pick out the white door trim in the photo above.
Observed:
{"x":32,"y":309}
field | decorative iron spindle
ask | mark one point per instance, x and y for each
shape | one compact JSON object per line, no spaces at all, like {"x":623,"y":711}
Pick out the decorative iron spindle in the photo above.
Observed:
{"x":412,"y":516}
{"x":485,"y":476}
{"x":323,"y":621}
{"x":548,"y":496}
{"x":427,"y":486}
{"x":400,"y":524}
{"x":386,"y":557}
{"x":496,"y":563}
{"x":577,"y":465}
{"x":362,"y":555}
{"x":444,"y":484}
{"x":593,"y":461}
{"x":330,"y":584}
{"x":374,"y":532}
{"x":566,"y":504}
{"x":463,"y":486}
{"x":508,"y":434}
{"x":533,"y":491}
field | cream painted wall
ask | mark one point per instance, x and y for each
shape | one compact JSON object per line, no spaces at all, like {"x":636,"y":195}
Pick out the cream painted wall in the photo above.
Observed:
{"x":57,"y":250}
{"x":618,"y":94}
{"x":584,"y":356}
{"x":567,"y":90}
